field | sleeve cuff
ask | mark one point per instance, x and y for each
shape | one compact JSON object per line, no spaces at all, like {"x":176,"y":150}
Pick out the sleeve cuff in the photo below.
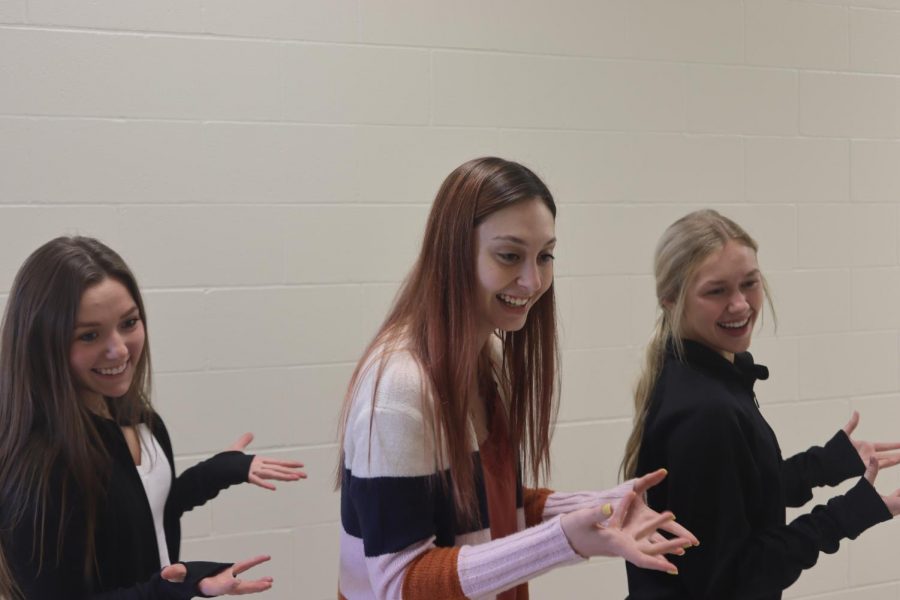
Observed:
{"x":858,"y":509}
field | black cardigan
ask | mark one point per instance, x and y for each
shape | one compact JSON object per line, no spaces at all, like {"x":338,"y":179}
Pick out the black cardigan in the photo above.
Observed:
{"x":728,"y":484}
{"x":127,"y":553}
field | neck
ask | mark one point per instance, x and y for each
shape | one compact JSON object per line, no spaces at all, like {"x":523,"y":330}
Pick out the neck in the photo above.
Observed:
{"x":97,"y":405}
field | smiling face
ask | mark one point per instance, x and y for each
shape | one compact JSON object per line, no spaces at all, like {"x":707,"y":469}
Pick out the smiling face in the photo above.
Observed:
{"x":107,"y":343}
{"x":724,"y":299}
{"x":514,"y":258}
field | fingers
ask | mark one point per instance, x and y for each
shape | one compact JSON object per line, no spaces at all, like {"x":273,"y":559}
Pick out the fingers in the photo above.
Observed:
{"x":649,"y":480}
{"x":279,"y":475}
{"x":654,"y":524}
{"x":871,"y":470}
{"x":674,"y":546}
{"x":889,"y":461}
{"x":293,"y":464}
{"x":676,"y":529}
{"x":240,"y":567}
{"x":242,"y":442}
{"x":252,"y":587}
{"x":648,"y":561}
{"x":255,"y":480}
{"x":621,"y":513}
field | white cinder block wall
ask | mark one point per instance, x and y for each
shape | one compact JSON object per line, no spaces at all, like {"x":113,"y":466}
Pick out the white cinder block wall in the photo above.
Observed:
{"x":266,"y":168}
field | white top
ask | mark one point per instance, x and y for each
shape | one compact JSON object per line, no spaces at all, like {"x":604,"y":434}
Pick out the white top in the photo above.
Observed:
{"x":156,"y":475}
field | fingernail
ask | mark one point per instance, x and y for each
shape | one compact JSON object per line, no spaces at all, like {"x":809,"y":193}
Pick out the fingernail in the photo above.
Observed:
{"x":688,"y":546}
{"x":673,"y":572}
{"x":673,"y":517}
{"x":680,"y":552}
{"x":607,"y":509}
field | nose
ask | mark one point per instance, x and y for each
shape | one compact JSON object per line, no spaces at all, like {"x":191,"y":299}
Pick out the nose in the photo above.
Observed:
{"x":530,"y":277}
{"x":738,"y":302}
{"x":115,"y":347}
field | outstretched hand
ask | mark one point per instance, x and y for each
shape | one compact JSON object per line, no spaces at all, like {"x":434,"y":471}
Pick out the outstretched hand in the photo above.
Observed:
{"x":884,"y":452}
{"x":225,"y":583}
{"x":632,"y":532}
{"x":263,"y":467}
{"x":892,"y":501}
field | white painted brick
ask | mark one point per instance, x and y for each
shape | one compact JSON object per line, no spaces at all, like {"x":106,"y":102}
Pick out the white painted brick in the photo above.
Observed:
{"x":408,"y":164}
{"x":195,"y":245}
{"x":691,"y":30}
{"x":774,"y":227}
{"x":603,"y":240}
{"x":13,"y":11}
{"x":355,"y":84}
{"x":277,"y":544}
{"x":342,"y":244}
{"x":796,"y":34}
{"x":602,"y":307}
{"x":303,"y":502}
{"x":176,"y":329}
{"x":284,"y":326}
{"x":605,"y":579}
{"x":23,"y":229}
{"x":849,"y":105}
{"x":886,"y":4}
{"x":90,"y":74}
{"x":255,"y":163}
{"x":741,"y":100}
{"x":846,"y":364}
{"x":378,"y":298}
{"x":875,"y":41}
{"x":574,"y":93}
{"x":166,"y":15}
{"x":780,"y":355}
{"x":875,"y":297}
{"x":589,"y":28}
{"x":598,"y":384}
{"x":284,"y":406}
{"x":801,"y":426}
{"x":566,"y":325}
{"x":644,"y":310}
{"x":810,"y":302}
{"x":17,"y":168}
{"x":847,"y":235}
{"x":322,"y":20}
{"x":791,"y":170}
{"x":316,"y":551}
{"x":593,"y":167}
{"x":878,"y":418}
{"x":869,"y":561}
{"x":587,"y":456}
{"x":875,"y":176}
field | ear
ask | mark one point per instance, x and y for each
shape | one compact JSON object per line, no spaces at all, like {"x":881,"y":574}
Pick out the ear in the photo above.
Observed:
{"x":666,"y":303}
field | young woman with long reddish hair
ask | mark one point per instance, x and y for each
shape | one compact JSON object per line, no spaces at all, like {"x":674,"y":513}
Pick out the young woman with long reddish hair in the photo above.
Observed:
{"x":451,"y":408}
{"x":89,"y":504}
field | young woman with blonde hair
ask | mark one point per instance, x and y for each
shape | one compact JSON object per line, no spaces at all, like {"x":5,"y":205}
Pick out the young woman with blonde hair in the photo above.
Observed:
{"x":451,"y":407}
{"x":696,"y":415}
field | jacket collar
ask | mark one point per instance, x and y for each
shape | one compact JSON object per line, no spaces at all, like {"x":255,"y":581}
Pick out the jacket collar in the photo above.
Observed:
{"x":742,"y":370}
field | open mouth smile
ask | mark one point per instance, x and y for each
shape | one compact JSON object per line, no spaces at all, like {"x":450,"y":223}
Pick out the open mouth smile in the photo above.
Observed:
{"x":512,"y":301}
{"x":111,"y":371}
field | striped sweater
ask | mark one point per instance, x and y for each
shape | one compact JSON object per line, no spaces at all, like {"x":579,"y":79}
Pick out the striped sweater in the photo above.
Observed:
{"x":399,"y":537}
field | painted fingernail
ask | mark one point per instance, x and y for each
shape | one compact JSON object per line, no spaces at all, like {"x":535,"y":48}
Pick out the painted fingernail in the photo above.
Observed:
{"x":673,"y":572}
{"x":607,"y":509}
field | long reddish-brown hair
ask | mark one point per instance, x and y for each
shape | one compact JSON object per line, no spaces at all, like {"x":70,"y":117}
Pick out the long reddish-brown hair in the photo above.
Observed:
{"x":46,"y":428}
{"x":434,"y":318}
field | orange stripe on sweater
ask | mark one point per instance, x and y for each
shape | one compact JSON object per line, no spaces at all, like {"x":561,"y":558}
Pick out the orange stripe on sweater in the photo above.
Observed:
{"x":534,"y":500}
{"x":433,"y":574}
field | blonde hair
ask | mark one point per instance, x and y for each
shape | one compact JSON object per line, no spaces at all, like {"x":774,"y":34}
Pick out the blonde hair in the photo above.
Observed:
{"x":681,"y":250}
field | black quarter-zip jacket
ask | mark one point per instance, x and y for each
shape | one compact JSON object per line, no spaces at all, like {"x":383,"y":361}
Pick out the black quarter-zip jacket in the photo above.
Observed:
{"x":729,"y":485}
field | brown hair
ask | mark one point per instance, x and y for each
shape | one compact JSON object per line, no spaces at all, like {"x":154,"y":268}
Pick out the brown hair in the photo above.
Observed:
{"x":47,"y":429}
{"x":433,"y":318}
{"x":681,"y":250}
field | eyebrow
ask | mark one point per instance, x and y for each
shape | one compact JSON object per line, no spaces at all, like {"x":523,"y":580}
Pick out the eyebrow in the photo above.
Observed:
{"x":721,"y":281}
{"x":518,"y":240}
{"x":127,"y":313}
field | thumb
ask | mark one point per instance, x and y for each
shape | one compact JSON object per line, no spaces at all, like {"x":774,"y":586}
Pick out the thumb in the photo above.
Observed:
{"x":174,"y":573}
{"x":852,"y":423}
{"x":242,"y":442}
{"x":871,"y":470}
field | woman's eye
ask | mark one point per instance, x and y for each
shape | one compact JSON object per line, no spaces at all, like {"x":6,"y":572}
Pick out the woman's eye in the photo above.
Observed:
{"x":130,"y":323}
{"x":714,"y":292}
{"x":546,"y":257}
{"x":749,"y":285}
{"x":87,"y":337}
{"x":508,"y":257}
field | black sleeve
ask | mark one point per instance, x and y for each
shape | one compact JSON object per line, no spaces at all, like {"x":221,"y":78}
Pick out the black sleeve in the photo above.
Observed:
{"x":710,"y":489}
{"x":206,"y":479}
{"x":819,"y":466}
{"x":60,"y":574}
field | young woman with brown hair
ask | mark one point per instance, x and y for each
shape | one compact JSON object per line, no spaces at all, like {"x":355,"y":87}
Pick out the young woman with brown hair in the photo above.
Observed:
{"x":451,"y":406}
{"x":89,"y":506}
{"x":696,"y":415}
